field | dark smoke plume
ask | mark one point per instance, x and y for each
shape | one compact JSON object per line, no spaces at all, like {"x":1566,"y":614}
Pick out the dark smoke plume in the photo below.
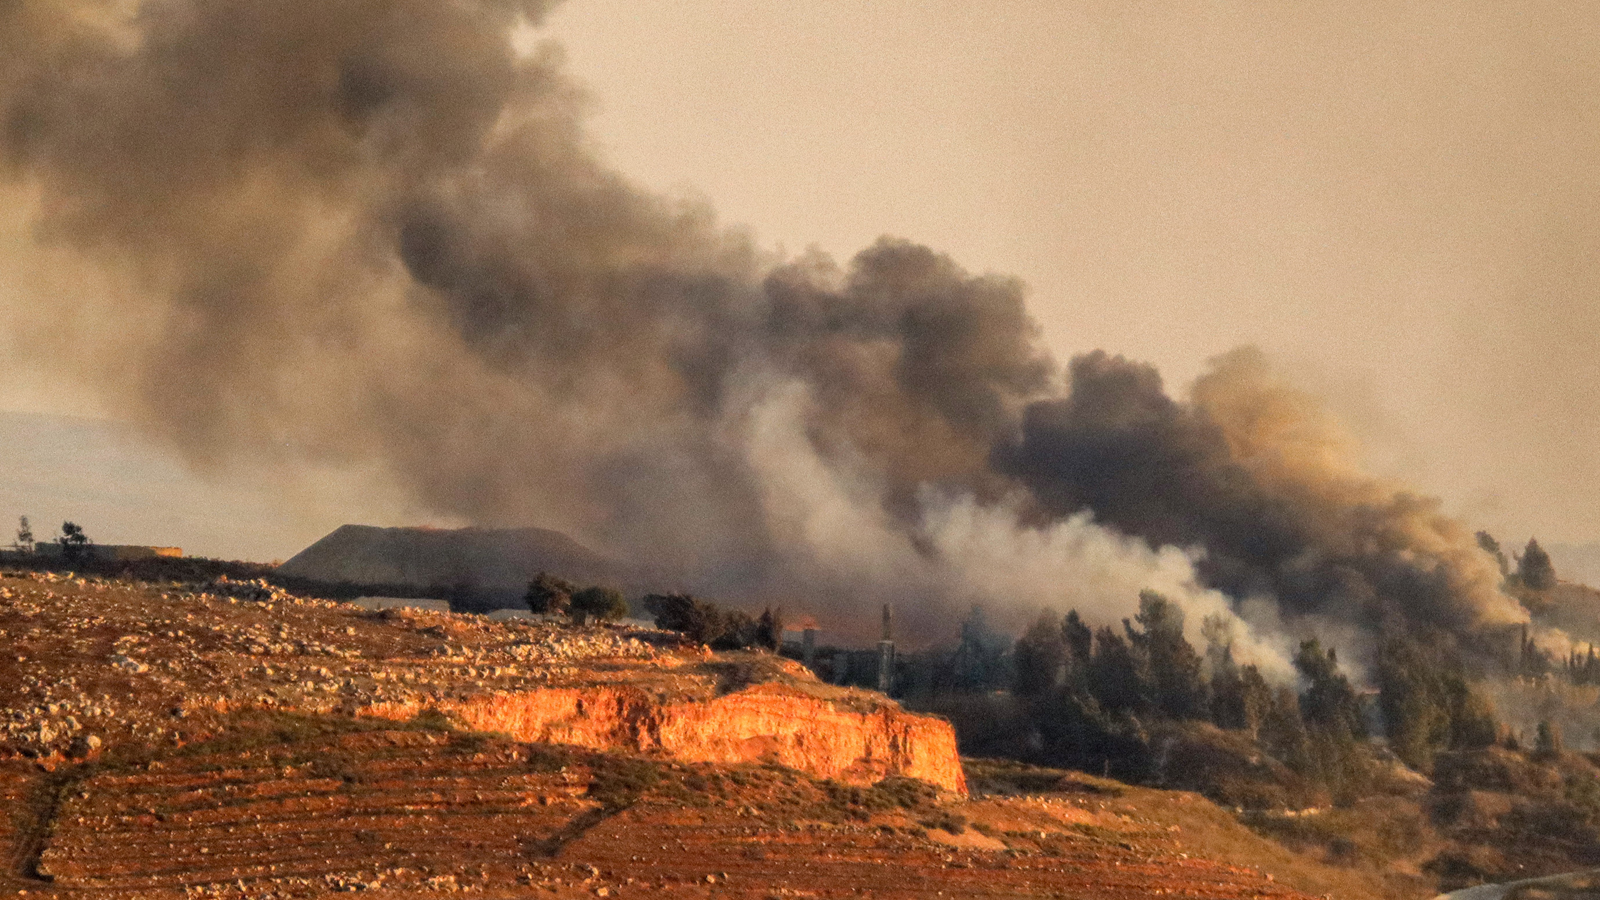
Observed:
{"x":370,"y":230}
{"x":1255,"y":474}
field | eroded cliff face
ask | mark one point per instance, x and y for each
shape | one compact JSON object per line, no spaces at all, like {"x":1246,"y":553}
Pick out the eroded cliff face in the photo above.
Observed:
{"x":764,"y":722}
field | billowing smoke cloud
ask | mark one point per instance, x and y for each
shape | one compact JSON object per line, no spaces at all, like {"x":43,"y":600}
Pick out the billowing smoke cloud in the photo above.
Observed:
{"x":1255,"y":474}
{"x":362,"y":230}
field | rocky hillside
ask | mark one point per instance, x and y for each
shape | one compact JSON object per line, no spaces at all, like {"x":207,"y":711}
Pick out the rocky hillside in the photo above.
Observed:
{"x":231,"y":740}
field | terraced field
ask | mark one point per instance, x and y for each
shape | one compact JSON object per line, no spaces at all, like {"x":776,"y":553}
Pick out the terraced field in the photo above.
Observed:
{"x":225,"y":740}
{"x":299,"y":807}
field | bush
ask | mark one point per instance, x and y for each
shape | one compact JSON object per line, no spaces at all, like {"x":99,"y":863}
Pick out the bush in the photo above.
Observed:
{"x":548,"y":595}
{"x":602,"y":604}
{"x":705,"y":623}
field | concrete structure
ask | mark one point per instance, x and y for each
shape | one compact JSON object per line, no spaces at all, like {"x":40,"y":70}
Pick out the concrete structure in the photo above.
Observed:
{"x":886,"y":652}
{"x":402,"y":603}
{"x":510,"y":614}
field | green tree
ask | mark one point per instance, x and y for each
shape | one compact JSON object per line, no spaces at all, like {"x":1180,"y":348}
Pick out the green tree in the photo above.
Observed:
{"x":1535,"y":569}
{"x":1473,"y":724}
{"x":1241,"y":699}
{"x":1283,"y":732}
{"x":1492,"y":547}
{"x":696,"y":619}
{"x":1117,"y":681}
{"x":1329,"y":700}
{"x":548,"y":595}
{"x":24,"y":536}
{"x":1413,"y":700}
{"x":74,"y":543}
{"x":602,"y":604}
{"x":769,"y":630}
{"x":1038,"y":658}
{"x":1079,"y":641}
{"x":1171,"y":661}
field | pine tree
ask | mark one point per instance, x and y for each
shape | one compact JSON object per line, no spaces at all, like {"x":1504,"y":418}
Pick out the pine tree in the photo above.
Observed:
{"x":1171,"y":661}
{"x":1039,"y":657}
{"x":1079,"y":641}
{"x":1411,"y":695}
{"x":1535,"y":569}
{"x":1116,"y":678}
{"x":769,"y":630}
{"x":1283,"y":732}
{"x":1329,"y":700}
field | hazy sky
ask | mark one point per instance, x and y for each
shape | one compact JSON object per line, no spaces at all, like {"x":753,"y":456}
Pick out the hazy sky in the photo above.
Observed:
{"x":1400,"y":200}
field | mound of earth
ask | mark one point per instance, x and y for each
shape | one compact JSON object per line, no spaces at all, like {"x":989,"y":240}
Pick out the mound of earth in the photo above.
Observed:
{"x":494,"y":562}
{"x":236,"y":741}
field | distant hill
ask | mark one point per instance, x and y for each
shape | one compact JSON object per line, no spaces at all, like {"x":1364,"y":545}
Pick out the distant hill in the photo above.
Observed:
{"x":1576,"y":562}
{"x":478,"y":564}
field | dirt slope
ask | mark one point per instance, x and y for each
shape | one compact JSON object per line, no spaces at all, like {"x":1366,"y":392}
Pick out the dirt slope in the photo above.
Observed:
{"x":296,"y":807}
{"x":170,"y":742}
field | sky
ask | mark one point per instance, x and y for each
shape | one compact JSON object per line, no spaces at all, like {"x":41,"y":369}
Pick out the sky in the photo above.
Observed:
{"x":1398,"y":201}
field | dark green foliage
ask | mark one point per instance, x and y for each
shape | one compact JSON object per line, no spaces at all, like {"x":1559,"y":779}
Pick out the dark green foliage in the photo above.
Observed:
{"x":1473,"y":725}
{"x":601,"y":604}
{"x":549,"y":596}
{"x":1582,"y":790}
{"x":1079,"y":640}
{"x":1283,"y":732}
{"x":696,"y":619}
{"x":769,"y":630}
{"x":1039,"y":658}
{"x":74,"y":543}
{"x":893,"y":793}
{"x":1427,"y":703}
{"x":1240,"y":698}
{"x":706,"y":623}
{"x":1116,"y":678}
{"x":1171,"y":661}
{"x":617,"y":782}
{"x":1339,"y":762}
{"x":739,"y":631}
{"x":1534,"y":568}
{"x":1329,"y":701}
{"x":1412,"y":697}
{"x":1492,"y":547}
{"x":1547,"y":743}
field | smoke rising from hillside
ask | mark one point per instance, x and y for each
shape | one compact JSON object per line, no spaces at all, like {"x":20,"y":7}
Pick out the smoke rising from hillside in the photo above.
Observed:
{"x":370,"y":229}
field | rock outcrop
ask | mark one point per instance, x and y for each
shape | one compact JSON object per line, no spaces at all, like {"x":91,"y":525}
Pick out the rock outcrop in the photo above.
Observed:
{"x":170,"y":665}
{"x":766,"y":722}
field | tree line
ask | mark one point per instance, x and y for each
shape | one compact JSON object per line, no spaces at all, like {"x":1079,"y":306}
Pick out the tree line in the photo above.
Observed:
{"x":1091,"y":698}
{"x":698,"y":619}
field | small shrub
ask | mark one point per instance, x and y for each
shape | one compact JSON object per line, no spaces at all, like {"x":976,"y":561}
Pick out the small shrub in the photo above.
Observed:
{"x":617,"y":782}
{"x":549,"y":758}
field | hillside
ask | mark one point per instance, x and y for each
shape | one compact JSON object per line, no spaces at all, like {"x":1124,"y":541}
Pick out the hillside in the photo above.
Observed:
{"x":167,"y":741}
{"x":481,"y":563}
